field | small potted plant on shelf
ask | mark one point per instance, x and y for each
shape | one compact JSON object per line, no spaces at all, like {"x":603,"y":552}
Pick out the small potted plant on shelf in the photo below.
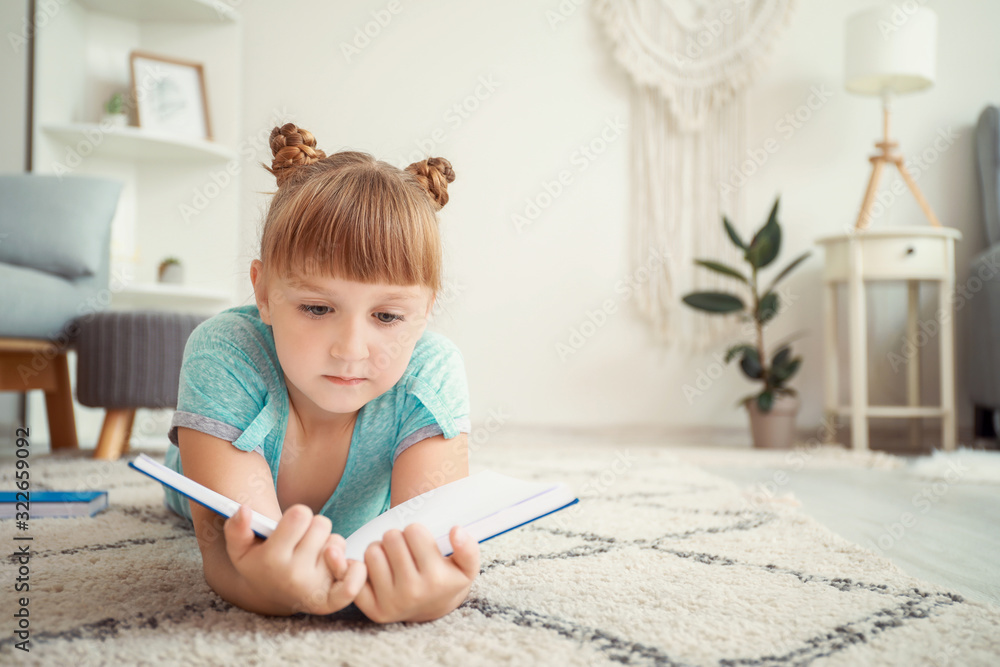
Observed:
{"x":114,"y":111}
{"x":171,"y":271}
{"x":773,"y":409}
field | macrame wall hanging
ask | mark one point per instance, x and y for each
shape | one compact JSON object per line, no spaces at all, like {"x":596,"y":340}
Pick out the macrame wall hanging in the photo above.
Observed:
{"x":690,"y":63}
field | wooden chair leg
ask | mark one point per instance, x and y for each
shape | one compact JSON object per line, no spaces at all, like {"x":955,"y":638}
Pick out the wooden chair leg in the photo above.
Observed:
{"x":59,"y":407}
{"x":115,"y":434}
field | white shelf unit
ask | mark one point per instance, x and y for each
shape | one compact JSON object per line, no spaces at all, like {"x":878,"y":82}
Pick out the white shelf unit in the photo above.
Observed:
{"x":134,"y":143}
{"x":180,"y":196}
{"x":165,"y":296}
{"x":146,"y":10}
{"x":82,"y":58}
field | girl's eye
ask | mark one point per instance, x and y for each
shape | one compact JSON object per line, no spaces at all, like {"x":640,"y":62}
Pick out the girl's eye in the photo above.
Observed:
{"x":310,"y":311}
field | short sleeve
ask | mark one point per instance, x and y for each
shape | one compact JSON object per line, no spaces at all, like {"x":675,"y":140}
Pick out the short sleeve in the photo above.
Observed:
{"x":220,"y":393}
{"x":437,"y":397}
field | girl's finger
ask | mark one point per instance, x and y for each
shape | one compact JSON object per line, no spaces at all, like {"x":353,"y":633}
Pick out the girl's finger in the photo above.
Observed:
{"x":397,"y":550}
{"x":310,"y":546}
{"x":466,"y":554}
{"x":239,"y":536}
{"x":339,"y":540}
{"x":423,"y":546}
{"x":355,"y":578}
{"x":365,"y":599}
{"x":294,"y":523}
{"x":335,"y":560}
{"x":379,"y":573}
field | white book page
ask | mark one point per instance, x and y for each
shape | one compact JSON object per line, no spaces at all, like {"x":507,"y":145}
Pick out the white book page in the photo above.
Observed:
{"x":485,"y":503}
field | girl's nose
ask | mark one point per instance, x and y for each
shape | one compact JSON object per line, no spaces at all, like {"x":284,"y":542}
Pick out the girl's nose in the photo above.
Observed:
{"x":349,"y":341}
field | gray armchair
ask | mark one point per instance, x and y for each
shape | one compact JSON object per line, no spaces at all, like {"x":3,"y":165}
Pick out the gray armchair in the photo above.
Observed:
{"x":984,"y":306}
{"x":55,"y":244}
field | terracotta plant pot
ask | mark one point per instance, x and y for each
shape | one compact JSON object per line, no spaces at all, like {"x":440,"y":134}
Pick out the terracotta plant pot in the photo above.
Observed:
{"x":774,"y":429}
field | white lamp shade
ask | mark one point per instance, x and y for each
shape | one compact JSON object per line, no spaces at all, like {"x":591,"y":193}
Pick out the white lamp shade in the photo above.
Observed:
{"x":890,"y":49}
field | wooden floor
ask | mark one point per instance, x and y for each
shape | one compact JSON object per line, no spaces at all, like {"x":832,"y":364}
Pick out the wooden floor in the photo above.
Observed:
{"x":953,"y":532}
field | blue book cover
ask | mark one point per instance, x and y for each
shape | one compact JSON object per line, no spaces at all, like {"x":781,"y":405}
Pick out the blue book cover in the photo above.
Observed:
{"x":46,"y":504}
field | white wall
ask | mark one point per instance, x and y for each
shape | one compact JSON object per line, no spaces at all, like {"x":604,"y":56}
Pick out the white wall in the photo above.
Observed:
{"x":514,"y":296}
{"x":13,"y":110}
{"x":13,"y":81}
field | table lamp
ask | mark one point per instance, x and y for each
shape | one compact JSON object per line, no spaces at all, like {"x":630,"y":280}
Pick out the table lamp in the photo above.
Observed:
{"x":890,"y":51}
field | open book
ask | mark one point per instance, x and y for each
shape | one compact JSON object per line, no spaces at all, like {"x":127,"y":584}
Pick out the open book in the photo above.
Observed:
{"x":485,"y":504}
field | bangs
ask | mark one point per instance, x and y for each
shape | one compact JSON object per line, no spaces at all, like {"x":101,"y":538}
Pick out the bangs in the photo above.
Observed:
{"x":365,"y":222}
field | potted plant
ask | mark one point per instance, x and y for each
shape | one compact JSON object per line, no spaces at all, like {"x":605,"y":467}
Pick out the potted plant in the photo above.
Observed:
{"x":772,"y":410}
{"x":171,"y":271}
{"x":114,"y":111}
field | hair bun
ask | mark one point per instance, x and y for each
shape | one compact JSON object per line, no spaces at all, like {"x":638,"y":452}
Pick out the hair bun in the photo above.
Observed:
{"x":434,"y":174}
{"x":292,"y":146}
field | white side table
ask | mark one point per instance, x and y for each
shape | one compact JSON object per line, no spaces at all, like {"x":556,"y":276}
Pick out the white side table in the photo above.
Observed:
{"x":889,"y":253}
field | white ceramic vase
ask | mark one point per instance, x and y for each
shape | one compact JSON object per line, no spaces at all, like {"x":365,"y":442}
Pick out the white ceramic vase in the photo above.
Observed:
{"x":172,"y":273}
{"x":115,"y":120}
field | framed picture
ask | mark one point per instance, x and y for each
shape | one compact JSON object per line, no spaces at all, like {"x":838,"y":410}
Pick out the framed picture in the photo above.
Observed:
{"x":170,"y":96}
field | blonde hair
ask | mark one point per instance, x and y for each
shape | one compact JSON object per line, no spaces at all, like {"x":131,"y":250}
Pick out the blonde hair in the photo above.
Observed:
{"x":353,"y":217}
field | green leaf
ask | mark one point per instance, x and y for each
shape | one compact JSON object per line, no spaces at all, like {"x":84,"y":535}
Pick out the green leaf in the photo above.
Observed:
{"x":751,"y":364}
{"x":765,"y":400}
{"x":766,"y":242}
{"x":732,"y":234}
{"x":736,"y":349}
{"x":768,"y":307}
{"x":787,"y":371}
{"x":746,"y":399}
{"x":780,"y":359}
{"x":714,"y":302}
{"x":721,"y":268}
{"x":788,"y":269}
{"x":772,"y":218}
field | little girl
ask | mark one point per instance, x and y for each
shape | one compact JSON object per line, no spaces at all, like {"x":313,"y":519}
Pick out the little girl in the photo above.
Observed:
{"x":328,"y":402}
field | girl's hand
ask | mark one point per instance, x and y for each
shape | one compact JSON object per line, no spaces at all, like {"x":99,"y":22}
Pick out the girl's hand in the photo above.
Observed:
{"x":409,"y":579}
{"x":300,"y":566}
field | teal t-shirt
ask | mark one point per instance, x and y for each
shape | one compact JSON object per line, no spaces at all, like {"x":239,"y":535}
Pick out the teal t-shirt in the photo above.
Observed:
{"x":232,"y":387}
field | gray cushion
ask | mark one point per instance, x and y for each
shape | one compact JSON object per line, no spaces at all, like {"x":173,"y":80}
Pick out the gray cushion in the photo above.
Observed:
{"x":988,"y":162}
{"x":56,"y":224}
{"x":36,"y":304}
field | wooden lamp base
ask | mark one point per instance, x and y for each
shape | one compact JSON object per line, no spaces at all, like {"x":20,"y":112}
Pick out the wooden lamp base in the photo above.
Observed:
{"x":885,"y":155}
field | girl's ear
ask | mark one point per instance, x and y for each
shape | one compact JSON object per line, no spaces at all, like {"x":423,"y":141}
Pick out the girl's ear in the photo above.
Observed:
{"x":260,"y":290}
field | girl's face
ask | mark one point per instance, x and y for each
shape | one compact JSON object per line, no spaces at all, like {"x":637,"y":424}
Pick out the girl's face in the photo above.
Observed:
{"x":328,"y":327}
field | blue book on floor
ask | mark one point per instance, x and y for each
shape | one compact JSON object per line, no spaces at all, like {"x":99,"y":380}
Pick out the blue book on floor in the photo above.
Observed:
{"x":485,"y":504}
{"x":46,"y":504}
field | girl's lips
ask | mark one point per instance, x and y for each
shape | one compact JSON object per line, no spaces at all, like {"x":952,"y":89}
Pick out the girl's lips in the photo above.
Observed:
{"x":336,"y":380}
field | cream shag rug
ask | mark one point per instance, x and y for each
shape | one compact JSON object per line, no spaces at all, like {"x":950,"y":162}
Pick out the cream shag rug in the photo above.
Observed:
{"x":659,"y":564}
